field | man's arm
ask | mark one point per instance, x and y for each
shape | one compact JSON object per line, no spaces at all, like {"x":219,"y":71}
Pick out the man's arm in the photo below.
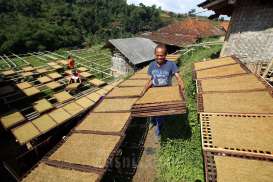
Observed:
{"x":147,"y":86}
{"x":179,"y":81}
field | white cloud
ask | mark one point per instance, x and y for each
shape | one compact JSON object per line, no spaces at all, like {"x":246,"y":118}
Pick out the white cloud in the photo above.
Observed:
{"x":178,"y":6}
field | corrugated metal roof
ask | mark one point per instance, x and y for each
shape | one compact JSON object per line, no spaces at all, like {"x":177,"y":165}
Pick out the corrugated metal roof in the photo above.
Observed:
{"x":137,"y":50}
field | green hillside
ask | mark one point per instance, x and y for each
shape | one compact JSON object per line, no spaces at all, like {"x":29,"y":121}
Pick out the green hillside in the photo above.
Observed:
{"x":36,"y":25}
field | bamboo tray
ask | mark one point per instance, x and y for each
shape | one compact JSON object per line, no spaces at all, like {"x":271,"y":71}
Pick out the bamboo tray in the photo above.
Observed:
{"x":8,"y":73}
{"x":254,"y":102}
{"x":86,"y":150}
{"x":125,"y":92}
{"x":160,"y":95}
{"x":31,"y":91}
{"x":94,"y":97}
{"x":11,"y":119}
{"x":85,"y":102}
{"x":223,"y":71}
{"x":133,"y":83}
{"x":54,"y":75}
{"x":82,"y":69}
{"x":73,"y":108}
{"x":231,"y":167}
{"x":60,"y":115}
{"x":108,"y":88}
{"x":160,"y":113}
{"x":96,"y":82}
{"x":27,"y":74}
{"x":23,"y":85}
{"x":241,"y":83}
{"x":101,"y":92}
{"x":215,"y":63}
{"x":48,"y":172}
{"x":42,"y":105}
{"x":85,"y":75}
{"x":238,"y":133}
{"x":140,"y":76}
{"x":44,"y":123}
{"x":63,"y":97}
{"x":28,"y":68}
{"x":105,"y":123}
{"x":53,"y":85}
{"x":115,"y":105}
{"x":160,"y":101}
{"x":41,"y":70}
{"x":57,"y":67}
{"x":25,"y":132}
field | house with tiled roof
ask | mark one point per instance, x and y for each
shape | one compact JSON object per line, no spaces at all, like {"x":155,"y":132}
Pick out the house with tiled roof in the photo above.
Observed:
{"x":250,"y":33}
{"x":184,"y":32}
{"x":224,"y":25}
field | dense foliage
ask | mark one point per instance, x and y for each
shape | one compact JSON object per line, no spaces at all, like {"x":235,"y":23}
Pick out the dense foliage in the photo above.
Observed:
{"x":37,"y":25}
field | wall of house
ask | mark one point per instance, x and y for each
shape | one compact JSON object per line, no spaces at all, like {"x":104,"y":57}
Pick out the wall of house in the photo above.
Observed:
{"x":250,"y":35}
{"x":120,"y":65}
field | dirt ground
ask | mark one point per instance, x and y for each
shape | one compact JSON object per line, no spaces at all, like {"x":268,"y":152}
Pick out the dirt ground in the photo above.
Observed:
{"x":146,"y":170}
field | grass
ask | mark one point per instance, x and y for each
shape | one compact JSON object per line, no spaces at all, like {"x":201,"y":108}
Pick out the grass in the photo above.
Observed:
{"x":180,"y":156}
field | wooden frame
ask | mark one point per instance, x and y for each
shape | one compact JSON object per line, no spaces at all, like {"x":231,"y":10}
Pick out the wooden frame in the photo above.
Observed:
{"x":199,"y":88}
{"x":121,"y":133}
{"x":237,"y":61}
{"x":194,"y":72}
{"x":85,"y":168}
{"x":207,"y":141}
{"x":210,"y":166}
{"x":200,"y":103}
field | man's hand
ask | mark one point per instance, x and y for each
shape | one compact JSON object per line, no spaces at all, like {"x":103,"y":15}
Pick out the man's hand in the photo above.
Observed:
{"x":180,"y":83}
{"x":147,"y":86}
{"x":181,"y":89}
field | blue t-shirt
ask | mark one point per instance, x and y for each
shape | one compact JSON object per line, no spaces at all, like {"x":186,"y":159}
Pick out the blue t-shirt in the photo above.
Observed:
{"x":162,"y":75}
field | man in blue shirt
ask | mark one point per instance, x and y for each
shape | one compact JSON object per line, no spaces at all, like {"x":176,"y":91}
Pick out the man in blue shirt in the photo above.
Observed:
{"x":161,"y":72}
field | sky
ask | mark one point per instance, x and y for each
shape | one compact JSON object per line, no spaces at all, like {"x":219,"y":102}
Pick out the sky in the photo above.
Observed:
{"x":177,"y":6}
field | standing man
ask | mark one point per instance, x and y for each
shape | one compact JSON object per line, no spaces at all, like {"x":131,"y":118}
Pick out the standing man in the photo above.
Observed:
{"x":161,"y":72}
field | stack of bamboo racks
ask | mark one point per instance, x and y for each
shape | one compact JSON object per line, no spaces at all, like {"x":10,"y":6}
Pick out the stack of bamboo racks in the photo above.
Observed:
{"x":159,"y":101}
{"x":236,"y":114}
{"x":89,"y":149}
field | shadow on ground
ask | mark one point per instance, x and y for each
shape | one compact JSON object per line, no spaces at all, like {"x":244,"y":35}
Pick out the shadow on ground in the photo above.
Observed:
{"x":176,"y":127}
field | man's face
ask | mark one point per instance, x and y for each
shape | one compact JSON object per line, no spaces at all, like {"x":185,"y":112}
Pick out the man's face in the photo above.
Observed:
{"x":160,"y":55}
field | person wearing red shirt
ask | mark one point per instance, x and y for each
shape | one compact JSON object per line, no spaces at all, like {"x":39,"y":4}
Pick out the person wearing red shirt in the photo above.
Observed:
{"x":70,"y":62}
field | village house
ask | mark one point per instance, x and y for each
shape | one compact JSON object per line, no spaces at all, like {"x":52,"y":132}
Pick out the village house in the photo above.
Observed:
{"x":130,"y":54}
{"x":250,"y":32}
{"x":183,"y":33}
